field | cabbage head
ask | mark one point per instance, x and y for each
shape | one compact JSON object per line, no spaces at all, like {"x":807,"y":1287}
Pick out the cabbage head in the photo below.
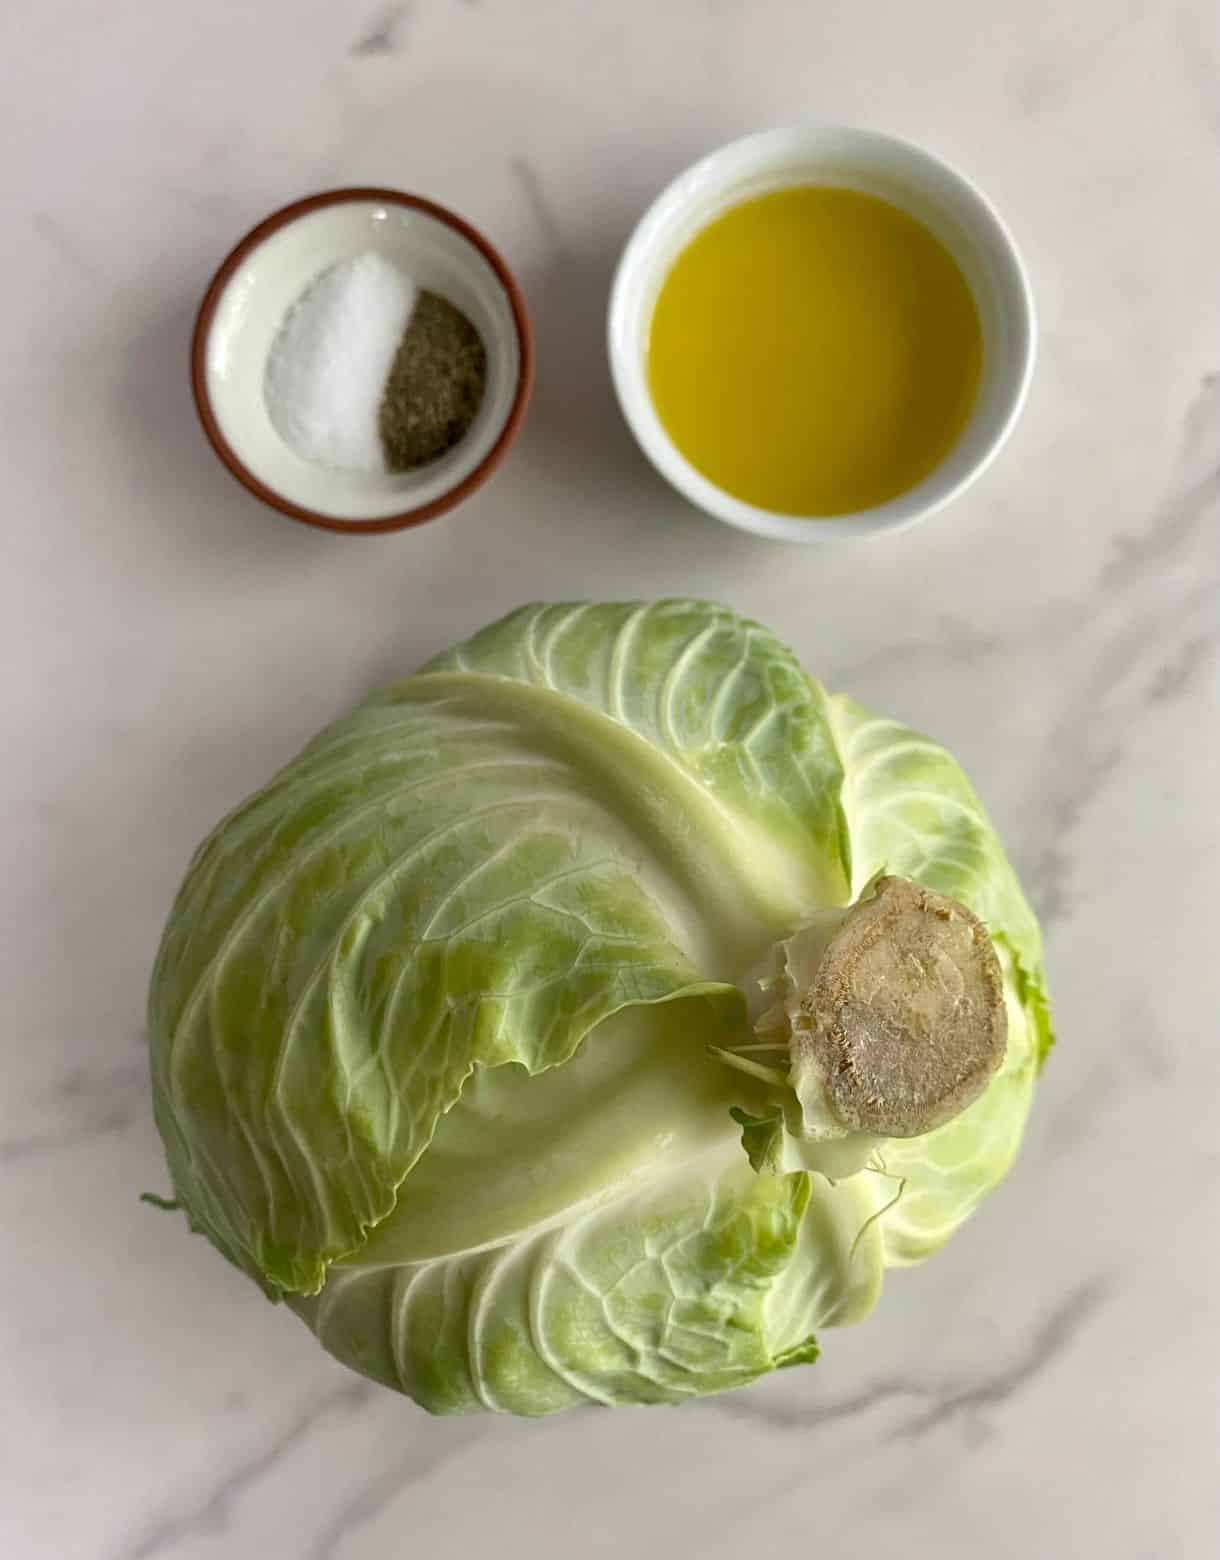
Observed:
{"x":595,"y":1015}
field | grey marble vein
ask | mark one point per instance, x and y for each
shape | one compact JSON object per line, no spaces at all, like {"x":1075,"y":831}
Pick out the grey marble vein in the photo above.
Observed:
{"x":1177,"y":674}
{"x":1145,"y":1042}
{"x":1193,"y":492}
{"x":64,"y":244}
{"x":1139,"y":1059}
{"x":1156,"y":601}
{"x":1142,"y":667}
{"x":1059,"y":67}
{"x":383,"y":35}
{"x":372,"y":1498}
{"x":544,"y":213}
{"x":1082,"y":759}
{"x":1200,"y":55}
{"x":930,"y":1404}
{"x":957,"y":640}
{"x":38,"y":1145}
{"x":88,"y":1102}
{"x":1072,"y":1116}
{"x":211,"y":1511}
{"x":1056,"y":1334}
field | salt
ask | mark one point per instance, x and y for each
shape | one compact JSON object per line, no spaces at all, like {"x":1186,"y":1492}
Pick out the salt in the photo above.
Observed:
{"x":330,"y":360}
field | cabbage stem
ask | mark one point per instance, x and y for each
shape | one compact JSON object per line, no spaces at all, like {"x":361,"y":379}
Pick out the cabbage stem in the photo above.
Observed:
{"x":892,"y":1012}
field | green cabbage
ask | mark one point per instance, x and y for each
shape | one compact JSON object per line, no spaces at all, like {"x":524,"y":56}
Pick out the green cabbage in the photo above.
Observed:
{"x":451,"y":1024}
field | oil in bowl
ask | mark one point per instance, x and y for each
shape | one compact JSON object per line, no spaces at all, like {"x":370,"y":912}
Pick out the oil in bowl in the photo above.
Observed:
{"x":814,"y":351}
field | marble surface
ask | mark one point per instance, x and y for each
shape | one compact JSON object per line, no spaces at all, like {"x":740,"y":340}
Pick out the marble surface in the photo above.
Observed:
{"x":1049,"y":1386}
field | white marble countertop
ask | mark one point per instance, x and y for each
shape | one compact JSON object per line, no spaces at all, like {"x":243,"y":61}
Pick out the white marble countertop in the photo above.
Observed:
{"x":1050,"y":1385}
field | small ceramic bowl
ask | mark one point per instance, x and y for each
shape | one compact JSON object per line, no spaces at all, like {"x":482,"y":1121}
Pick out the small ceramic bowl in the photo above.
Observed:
{"x":929,"y":190}
{"x":246,"y":302}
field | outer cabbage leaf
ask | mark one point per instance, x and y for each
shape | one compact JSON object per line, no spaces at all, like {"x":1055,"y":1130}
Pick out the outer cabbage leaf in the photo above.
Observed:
{"x":719,"y":697}
{"x":677,"y":1288}
{"x":584,"y":809}
{"x":646,"y":1262}
{"x":912,"y":811}
{"x":946,"y":1174}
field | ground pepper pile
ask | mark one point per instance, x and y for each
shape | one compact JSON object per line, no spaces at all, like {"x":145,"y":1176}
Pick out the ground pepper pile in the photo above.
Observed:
{"x":435,"y":385}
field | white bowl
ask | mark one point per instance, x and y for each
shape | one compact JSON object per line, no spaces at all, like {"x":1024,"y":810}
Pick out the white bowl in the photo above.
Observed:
{"x":247,"y":300}
{"x":920,"y":184}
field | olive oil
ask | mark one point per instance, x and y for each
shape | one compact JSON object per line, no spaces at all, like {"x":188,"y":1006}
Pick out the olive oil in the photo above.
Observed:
{"x":815,"y":351}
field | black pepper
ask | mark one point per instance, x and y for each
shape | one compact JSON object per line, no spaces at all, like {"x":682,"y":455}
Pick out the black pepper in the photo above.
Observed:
{"x":435,"y":386}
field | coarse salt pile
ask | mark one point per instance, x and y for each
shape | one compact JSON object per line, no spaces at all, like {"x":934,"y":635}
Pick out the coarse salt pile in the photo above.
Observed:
{"x":328,"y":365}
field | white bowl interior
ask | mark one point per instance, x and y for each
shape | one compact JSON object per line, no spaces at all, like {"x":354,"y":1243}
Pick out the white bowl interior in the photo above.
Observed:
{"x":269,"y":280}
{"x":942,"y":199}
